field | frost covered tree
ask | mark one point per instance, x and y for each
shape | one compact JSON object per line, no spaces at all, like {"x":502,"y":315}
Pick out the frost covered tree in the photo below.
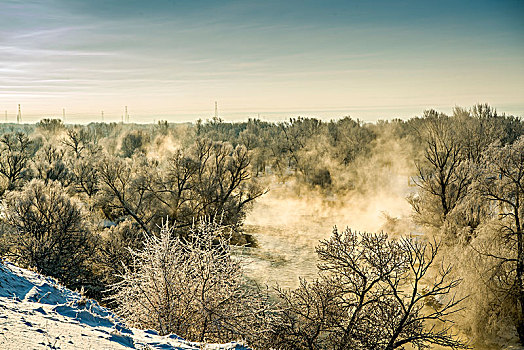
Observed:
{"x":441,"y":175}
{"x":501,"y":183}
{"x":211,"y":179}
{"x":192,"y":287}
{"x":453,"y":147}
{"x":49,"y":165}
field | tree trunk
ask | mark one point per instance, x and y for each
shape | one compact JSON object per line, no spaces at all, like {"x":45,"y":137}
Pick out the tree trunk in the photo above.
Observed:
{"x":520,"y":273}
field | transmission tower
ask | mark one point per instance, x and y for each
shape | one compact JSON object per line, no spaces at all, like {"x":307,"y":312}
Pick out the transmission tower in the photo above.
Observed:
{"x":127,"y":116}
{"x":19,"y":115}
{"x":216,"y":110}
{"x":102,"y":116}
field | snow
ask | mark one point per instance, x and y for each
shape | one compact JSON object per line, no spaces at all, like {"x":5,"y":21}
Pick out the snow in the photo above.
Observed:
{"x":38,"y":313}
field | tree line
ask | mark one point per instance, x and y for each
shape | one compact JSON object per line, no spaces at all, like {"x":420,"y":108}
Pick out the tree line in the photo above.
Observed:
{"x":88,"y":204}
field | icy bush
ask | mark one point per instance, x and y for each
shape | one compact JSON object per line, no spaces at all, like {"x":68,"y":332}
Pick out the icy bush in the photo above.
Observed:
{"x":191,"y":286}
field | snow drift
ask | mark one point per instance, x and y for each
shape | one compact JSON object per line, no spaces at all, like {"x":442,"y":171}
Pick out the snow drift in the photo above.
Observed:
{"x":38,"y":313}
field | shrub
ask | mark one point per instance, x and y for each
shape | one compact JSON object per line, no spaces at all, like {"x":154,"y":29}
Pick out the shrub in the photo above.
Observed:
{"x":191,"y":286}
{"x":113,"y":251}
{"x":47,"y":232}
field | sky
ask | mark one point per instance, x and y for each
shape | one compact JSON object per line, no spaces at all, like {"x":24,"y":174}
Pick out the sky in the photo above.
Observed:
{"x":171,"y":60}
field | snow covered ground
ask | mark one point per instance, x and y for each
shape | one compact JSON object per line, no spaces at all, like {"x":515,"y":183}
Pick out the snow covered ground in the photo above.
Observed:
{"x":38,"y":313}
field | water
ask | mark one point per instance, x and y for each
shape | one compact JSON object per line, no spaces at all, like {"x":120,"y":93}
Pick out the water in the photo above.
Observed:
{"x":288,"y":227}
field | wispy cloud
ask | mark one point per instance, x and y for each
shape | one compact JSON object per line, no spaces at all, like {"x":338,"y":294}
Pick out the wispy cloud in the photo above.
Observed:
{"x":164,"y":55}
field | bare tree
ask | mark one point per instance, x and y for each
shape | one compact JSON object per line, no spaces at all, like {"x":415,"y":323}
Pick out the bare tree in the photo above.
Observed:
{"x":77,"y":140}
{"x":14,"y":158}
{"x":124,"y":191}
{"x":442,"y":175}
{"x":307,"y":315}
{"x":373,"y":293}
{"x":222,"y":185}
{"x":501,"y":181}
{"x":50,"y":126}
{"x":212,"y":179}
{"x":113,"y":249}
{"x":133,"y":142}
{"x":84,"y":173}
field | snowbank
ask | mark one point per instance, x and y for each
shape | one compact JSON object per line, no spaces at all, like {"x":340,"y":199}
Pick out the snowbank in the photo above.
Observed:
{"x":37,"y":313}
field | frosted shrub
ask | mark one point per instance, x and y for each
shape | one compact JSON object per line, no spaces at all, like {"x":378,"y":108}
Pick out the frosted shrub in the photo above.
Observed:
{"x":192,"y":287}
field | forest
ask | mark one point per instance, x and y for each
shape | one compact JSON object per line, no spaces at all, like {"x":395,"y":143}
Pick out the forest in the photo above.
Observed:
{"x":150,"y":220}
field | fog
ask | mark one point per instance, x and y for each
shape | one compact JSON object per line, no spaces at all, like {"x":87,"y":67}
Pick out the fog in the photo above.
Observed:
{"x":289,"y":220}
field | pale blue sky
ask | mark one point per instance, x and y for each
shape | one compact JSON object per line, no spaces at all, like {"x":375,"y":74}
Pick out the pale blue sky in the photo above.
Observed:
{"x":172,"y":59}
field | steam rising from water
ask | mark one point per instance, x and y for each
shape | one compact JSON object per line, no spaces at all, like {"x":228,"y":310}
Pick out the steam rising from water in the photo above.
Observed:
{"x":288,"y":226}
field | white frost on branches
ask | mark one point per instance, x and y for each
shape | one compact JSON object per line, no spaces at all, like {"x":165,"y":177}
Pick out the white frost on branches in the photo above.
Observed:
{"x":190,"y":285}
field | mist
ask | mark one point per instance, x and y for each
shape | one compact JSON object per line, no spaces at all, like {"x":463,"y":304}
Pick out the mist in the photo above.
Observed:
{"x":290,"y":219}
{"x":292,"y":205}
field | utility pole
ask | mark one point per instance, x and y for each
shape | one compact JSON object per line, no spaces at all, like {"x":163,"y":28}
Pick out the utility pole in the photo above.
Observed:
{"x":19,"y":115}
{"x":63,"y":115}
{"x":102,"y":116}
{"x":127,"y":116}
{"x":216,"y":109}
